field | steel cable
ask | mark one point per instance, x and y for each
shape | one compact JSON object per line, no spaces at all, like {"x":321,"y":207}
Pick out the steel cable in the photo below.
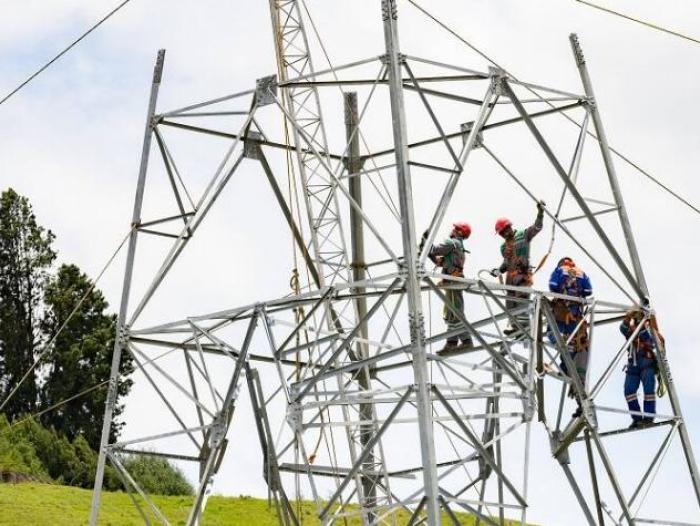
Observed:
{"x":638,"y":21}
{"x":620,"y":155}
{"x":65,"y":50}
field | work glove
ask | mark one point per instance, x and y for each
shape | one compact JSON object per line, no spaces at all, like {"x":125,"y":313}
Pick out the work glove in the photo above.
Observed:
{"x":541,"y":206}
{"x":495,"y":272}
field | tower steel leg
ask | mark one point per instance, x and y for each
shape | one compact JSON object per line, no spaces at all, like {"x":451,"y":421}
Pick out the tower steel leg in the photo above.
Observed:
{"x":412,"y":284}
{"x":126,"y":289}
{"x":636,"y":263}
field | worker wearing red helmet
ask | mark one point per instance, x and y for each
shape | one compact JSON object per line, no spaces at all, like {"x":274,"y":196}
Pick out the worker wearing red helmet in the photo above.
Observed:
{"x":449,"y":255}
{"x":516,"y":257}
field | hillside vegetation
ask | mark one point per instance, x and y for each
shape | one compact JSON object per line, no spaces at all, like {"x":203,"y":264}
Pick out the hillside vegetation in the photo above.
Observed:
{"x":52,"y":505}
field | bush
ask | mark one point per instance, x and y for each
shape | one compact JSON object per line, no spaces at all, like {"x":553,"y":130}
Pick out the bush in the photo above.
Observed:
{"x":156,"y":475}
{"x":31,"y":450}
{"x":17,"y":454}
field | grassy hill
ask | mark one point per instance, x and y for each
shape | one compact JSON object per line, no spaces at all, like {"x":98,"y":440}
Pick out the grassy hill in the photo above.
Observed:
{"x":52,"y":505}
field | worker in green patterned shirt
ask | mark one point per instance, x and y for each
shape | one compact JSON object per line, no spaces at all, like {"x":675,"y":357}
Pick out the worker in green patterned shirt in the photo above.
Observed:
{"x":516,"y":260}
{"x":449,"y":255}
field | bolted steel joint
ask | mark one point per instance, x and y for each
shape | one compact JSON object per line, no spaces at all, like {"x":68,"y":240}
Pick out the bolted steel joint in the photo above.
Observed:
{"x":466,"y":129}
{"x":266,"y":90}
{"x":578,"y":52}
{"x":389,"y":10}
{"x":295,"y":416}
{"x":123,"y":335}
{"x":417,"y":327}
{"x":529,"y":407}
{"x":218,"y":433}
{"x":589,"y":413}
{"x":251,"y":145}
{"x":385,"y":59}
{"x":589,"y":103}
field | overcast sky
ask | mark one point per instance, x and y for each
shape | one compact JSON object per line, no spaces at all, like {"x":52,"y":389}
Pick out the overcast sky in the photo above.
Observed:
{"x":70,"y":141}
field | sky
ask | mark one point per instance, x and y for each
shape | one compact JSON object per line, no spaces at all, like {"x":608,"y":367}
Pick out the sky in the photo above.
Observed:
{"x":70,"y":141}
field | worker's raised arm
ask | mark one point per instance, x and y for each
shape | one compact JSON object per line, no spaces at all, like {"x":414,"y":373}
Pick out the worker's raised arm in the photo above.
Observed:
{"x":536,"y":228}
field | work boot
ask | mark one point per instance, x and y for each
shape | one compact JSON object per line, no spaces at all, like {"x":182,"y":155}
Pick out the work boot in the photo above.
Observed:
{"x":636,"y":424}
{"x":646,"y":422}
{"x":450,"y":345}
{"x":511,"y":330}
{"x":467,"y":344}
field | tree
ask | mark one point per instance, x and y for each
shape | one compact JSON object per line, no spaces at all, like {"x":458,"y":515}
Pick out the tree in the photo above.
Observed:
{"x":25,"y":258}
{"x":79,"y":358}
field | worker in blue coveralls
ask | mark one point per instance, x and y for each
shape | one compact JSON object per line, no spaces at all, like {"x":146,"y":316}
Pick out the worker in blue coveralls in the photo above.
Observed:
{"x":641,"y":368}
{"x":449,"y":255}
{"x":569,"y":315}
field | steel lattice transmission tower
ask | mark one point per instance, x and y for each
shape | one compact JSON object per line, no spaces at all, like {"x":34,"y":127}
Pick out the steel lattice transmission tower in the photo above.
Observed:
{"x":356,"y":408}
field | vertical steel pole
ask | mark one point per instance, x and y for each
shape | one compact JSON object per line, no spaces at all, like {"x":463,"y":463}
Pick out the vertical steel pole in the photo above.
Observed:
{"x":408,"y":235}
{"x":354,"y":167}
{"x":126,"y":289}
{"x":357,"y":241}
{"x":609,"y":165}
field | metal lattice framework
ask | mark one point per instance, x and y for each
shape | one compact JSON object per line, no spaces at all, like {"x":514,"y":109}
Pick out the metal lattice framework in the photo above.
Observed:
{"x":356,"y":408}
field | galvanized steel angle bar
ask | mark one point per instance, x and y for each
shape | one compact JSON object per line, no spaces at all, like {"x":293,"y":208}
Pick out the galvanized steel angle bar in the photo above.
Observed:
{"x":446,"y":197}
{"x":305,"y":104}
{"x":368,"y":448}
{"x":575,"y":193}
{"x":563,"y":228}
{"x":301,"y":325}
{"x":433,"y":117}
{"x":133,"y":350}
{"x":665,"y":370}
{"x":656,"y":460}
{"x":135,"y":502}
{"x":348,"y":341}
{"x":120,"y":467}
{"x":172,"y":172}
{"x":164,"y":399}
{"x":192,"y":224}
{"x":177,"y":112}
{"x":337,"y":185}
{"x":476,"y":443}
{"x":507,"y":368}
{"x":150,"y":438}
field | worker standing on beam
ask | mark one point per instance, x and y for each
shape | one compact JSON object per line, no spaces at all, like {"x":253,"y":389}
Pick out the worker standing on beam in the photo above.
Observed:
{"x":641,"y":369}
{"x":449,"y":255}
{"x":516,"y":261}
{"x":570,"y":280}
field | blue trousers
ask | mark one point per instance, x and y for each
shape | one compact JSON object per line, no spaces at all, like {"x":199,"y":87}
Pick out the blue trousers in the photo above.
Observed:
{"x":644,"y":372}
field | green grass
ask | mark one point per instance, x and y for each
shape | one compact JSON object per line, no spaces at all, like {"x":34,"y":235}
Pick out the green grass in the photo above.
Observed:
{"x":32,"y":504}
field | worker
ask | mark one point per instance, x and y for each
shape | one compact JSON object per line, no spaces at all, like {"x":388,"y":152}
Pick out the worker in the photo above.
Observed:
{"x":569,"y":315}
{"x":449,"y":255}
{"x":641,"y":368}
{"x":516,"y":260}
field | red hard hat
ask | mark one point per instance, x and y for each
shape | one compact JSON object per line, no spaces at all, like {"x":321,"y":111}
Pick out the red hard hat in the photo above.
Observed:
{"x":502,"y":223}
{"x":463,"y":229}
